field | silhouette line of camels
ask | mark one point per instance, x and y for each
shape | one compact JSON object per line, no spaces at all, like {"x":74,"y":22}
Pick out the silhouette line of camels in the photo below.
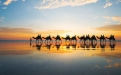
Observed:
{"x":85,"y":41}
{"x":82,"y":39}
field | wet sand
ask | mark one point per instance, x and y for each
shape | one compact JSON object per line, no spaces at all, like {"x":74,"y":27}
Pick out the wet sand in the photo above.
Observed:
{"x":24,"y":58}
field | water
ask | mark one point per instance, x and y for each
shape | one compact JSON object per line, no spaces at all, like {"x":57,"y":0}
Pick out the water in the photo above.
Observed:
{"x":24,"y":58}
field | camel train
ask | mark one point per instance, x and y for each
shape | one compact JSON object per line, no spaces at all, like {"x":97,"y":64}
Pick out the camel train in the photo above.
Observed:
{"x":86,"y":41}
{"x":83,"y":39}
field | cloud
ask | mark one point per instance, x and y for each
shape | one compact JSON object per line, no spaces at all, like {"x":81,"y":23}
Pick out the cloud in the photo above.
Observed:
{"x":118,"y":1}
{"x":4,"y":30}
{"x":108,"y":4}
{"x":25,"y":33}
{"x":106,"y":17}
{"x":109,"y":28}
{"x":4,"y":7}
{"x":1,"y":19}
{"x":23,"y":0}
{"x":15,"y":30}
{"x":7,"y":2}
{"x":115,"y":18}
{"x":51,"y":4}
{"x":96,"y":17}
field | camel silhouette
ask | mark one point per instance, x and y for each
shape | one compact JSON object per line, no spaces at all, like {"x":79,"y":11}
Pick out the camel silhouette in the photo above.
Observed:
{"x":111,"y":38}
{"x":57,"y":38}
{"x":48,"y":38}
{"x":93,"y":39}
{"x":38,"y":38}
{"x":67,"y":38}
{"x":73,"y":38}
{"x":87,"y":39}
{"x":82,"y":38}
{"x":102,"y":39}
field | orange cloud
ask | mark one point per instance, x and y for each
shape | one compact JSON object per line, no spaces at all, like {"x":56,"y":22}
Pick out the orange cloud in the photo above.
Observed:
{"x":15,"y":30}
{"x":109,"y":28}
{"x":25,"y":33}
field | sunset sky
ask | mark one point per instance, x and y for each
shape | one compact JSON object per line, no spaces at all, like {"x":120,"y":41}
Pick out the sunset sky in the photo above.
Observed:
{"x":22,"y":19}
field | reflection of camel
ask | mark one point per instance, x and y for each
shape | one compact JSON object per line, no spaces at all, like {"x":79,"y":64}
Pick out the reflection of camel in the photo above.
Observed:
{"x":73,"y":45}
{"x":38,"y":46}
{"x":67,"y":38}
{"x":102,"y":45}
{"x":112,"y":45}
{"x":82,"y":45}
{"x":94,"y":45}
{"x":38,"y":38}
{"x":111,"y":38}
{"x":57,"y":38}
{"x":102,"y":39}
{"x":58,"y":46}
{"x":48,"y":45}
{"x":48,"y":38}
{"x":87,"y":46}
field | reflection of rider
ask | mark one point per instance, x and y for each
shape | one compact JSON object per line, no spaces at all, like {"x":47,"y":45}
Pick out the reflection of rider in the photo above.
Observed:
{"x":112,"y":45}
{"x":48,"y":45}
{"x":94,"y":45}
{"x":58,"y":46}
{"x":102,"y":45}
{"x":38,"y":46}
{"x":87,"y":46}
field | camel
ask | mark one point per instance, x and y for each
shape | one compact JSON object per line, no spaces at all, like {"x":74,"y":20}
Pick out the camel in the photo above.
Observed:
{"x":57,"y":38}
{"x":73,"y":39}
{"x":82,"y":38}
{"x":87,"y":39}
{"x":67,"y":38}
{"x":38,"y":38}
{"x":111,"y":38}
{"x":48,"y":39}
{"x":102,"y":39}
{"x":93,"y":39}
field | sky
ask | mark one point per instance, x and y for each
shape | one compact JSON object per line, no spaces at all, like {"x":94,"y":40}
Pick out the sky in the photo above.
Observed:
{"x":22,"y":19}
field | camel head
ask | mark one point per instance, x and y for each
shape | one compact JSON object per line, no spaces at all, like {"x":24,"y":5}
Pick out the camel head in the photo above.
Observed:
{"x":43,"y":37}
{"x":33,"y":37}
{"x":78,"y":37}
{"x":53,"y":37}
{"x":97,"y":37}
{"x":63,"y":38}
